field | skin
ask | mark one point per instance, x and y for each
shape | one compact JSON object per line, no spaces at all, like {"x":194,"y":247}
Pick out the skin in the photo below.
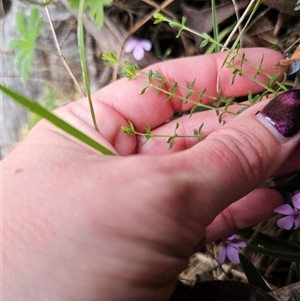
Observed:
{"x":78,"y":225}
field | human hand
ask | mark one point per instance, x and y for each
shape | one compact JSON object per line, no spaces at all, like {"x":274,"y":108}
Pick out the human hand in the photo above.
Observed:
{"x":78,"y":225}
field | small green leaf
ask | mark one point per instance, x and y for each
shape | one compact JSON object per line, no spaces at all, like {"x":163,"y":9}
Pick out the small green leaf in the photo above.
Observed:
{"x":204,"y":43}
{"x":150,"y":74}
{"x":175,"y":24}
{"x":159,"y":18}
{"x":148,"y":133}
{"x":109,"y":58}
{"x":130,"y":70}
{"x":144,"y":90}
{"x":171,"y":141}
{"x":130,"y":129}
{"x":241,"y":110}
{"x":273,"y":79}
{"x":157,"y":75}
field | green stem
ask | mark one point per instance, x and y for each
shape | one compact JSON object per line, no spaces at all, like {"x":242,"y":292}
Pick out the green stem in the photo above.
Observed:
{"x":215,"y":24}
{"x":82,"y":56}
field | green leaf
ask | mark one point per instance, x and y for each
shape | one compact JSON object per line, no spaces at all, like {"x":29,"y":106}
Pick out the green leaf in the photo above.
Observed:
{"x":271,"y":246}
{"x":109,"y":58}
{"x":130,"y":129}
{"x":273,"y":79}
{"x":159,"y":18}
{"x":36,"y":108}
{"x":241,"y":110}
{"x":25,"y":47}
{"x":95,"y":8}
{"x":130,"y":70}
{"x":144,"y":90}
{"x":150,"y":74}
{"x":204,"y":43}
{"x":252,"y":274}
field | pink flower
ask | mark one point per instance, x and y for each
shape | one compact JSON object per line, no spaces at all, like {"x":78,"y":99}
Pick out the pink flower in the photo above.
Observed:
{"x":229,"y":249}
{"x":292,"y":217}
{"x":137,"y":47}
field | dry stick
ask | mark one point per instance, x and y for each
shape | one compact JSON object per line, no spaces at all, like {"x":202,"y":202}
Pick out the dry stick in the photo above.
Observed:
{"x":237,"y":14}
{"x":60,"y":53}
{"x":153,"y":4}
{"x":297,"y":41}
{"x":238,"y":25}
{"x":136,"y":27}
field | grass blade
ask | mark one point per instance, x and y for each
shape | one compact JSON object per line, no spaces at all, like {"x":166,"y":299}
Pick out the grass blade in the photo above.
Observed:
{"x":38,"y":109}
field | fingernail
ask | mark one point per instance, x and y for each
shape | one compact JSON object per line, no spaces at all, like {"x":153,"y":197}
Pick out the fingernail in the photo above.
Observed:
{"x":282,"y":115}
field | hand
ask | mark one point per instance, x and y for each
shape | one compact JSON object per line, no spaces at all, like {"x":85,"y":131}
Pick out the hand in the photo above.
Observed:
{"x":78,"y":225}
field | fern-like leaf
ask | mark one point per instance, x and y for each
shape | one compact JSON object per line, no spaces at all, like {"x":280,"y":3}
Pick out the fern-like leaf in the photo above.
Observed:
{"x":25,"y":47}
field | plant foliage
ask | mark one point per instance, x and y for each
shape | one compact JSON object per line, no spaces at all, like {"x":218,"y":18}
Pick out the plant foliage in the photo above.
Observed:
{"x":96,"y":11}
{"x":30,"y":32}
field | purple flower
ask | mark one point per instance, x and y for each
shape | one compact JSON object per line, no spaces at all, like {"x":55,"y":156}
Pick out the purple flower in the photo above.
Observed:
{"x":292,"y":217}
{"x":229,"y":249}
{"x":137,"y":47}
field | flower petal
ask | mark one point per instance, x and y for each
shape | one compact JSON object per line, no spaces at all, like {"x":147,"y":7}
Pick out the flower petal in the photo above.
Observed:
{"x":296,"y":200}
{"x":297,"y":220}
{"x":231,"y":237}
{"x":138,"y":52}
{"x":286,"y":222}
{"x":233,"y":255}
{"x":284,"y":209}
{"x":238,"y":244}
{"x":130,"y":45}
{"x":146,"y":44}
{"x":222,"y":255}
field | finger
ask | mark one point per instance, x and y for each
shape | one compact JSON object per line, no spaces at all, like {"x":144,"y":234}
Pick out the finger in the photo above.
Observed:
{"x":203,"y":122}
{"x":292,"y":164}
{"x":207,"y":72}
{"x":255,"y":207}
{"x":121,"y":101}
{"x":230,"y":163}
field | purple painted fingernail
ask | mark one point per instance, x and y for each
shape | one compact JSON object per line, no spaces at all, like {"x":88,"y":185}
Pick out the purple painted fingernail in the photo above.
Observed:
{"x":283,"y":114}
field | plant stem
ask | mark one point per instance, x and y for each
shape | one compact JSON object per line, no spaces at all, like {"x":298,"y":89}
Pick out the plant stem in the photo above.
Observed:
{"x":85,"y":74}
{"x":60,"y":52}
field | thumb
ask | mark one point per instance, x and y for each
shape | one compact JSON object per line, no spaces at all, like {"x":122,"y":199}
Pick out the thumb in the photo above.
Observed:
{"x":237,"y":158}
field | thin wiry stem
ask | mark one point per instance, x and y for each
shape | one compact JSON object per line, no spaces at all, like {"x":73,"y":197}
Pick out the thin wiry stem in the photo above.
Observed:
{"x":236,"y":9}
{"x":215,"y":23}
{"x":61,"y":54}
{"x":238,"y":24}
{"x":85,"y":74}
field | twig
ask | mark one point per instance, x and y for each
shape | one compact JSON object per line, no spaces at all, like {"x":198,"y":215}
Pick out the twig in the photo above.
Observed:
{"x":236,"y":9}
{"x":238,"y":24}
{"x":60,"y":53}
